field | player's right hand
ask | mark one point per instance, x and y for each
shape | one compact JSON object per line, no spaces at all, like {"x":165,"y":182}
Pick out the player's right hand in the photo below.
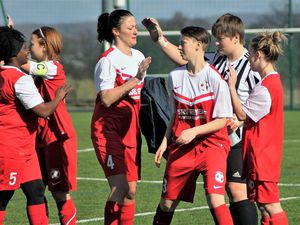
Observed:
{"x":160,"y":151}
{"x":153,"y":27}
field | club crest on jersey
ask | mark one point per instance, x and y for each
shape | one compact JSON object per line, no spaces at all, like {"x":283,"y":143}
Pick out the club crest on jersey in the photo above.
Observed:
{"x":54,"y":173}
{"x":204,"y":86}
{"x":219,"y":177}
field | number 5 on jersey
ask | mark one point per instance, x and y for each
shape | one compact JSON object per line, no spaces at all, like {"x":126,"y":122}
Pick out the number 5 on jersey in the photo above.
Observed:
{"x":12,"y":178}
{"x":110,"y":164}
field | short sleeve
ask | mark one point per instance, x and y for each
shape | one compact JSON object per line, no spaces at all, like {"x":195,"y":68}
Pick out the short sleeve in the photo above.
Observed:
{"x":44,"y":69}
{"x":105,"y":75}
{"x":258,"y":104}
{"x":171,"y":94}
{"x":222,"y":106}
{"x":27,"y":92}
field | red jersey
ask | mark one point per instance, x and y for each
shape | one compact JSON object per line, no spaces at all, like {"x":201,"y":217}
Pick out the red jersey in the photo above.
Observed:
{"x":48,"y":79}
{"x":264,"y":130}
{"x":18,"y":124}
{"x":120,"y":121}
{"x":199,"y":99}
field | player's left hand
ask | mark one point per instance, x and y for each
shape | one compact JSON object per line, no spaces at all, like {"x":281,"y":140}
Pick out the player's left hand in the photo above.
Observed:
{"x":232,"y":77}
{"x":186,"y":136}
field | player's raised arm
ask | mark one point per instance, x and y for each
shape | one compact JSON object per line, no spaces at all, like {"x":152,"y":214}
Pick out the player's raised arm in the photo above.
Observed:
{"x":156,"y":34}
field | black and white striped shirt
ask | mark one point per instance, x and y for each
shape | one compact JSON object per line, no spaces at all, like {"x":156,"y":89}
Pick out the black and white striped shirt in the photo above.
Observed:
{"x":246,"y":78}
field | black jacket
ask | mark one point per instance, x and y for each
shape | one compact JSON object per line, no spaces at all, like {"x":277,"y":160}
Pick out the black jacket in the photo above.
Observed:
{"x":155,"y":111}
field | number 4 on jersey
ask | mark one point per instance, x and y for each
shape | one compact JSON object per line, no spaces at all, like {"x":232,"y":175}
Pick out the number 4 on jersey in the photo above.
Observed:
{"x":110,"y":164}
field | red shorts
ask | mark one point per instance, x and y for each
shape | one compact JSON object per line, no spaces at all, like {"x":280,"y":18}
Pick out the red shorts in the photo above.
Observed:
{"x":183,"y":167}
{"x":116,"y":158}
{"x":58,"y":162}
{"x":263,"y":191}
{"x":14,"y":172}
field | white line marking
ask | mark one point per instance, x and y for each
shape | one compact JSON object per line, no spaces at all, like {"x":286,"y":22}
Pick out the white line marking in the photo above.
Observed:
{"x":177,"y":210}
{"x":292,"y":140}
{"x":85,"y":150}
{"x":160,"y":182}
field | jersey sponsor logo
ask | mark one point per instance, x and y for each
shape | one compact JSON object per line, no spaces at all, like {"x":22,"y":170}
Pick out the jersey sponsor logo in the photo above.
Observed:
{"x":192,"y":114}
{"x":219,"y":177}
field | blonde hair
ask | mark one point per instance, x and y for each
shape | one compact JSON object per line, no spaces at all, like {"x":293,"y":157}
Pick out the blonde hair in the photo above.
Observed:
{"x":52,"y":39}
{"x":270,"y":44}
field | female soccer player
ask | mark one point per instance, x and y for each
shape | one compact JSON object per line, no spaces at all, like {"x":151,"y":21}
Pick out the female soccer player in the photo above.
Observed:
{"x":263,"y":139}
{"x":56,"y":138}
{"x":115,"y":131}
{"x":229,"y":33}
{"x":197,"y":132}
{"x":19,"y":102}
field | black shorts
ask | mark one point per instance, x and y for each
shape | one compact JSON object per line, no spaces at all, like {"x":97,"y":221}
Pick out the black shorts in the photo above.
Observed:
{"x":235,"y":164}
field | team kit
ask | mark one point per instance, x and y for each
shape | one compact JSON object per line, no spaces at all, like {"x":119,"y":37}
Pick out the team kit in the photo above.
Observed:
{"x":222,"y":109}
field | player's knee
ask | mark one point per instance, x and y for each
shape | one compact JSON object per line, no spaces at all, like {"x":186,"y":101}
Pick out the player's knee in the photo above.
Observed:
{"x":34,"y":192}
{"x":167,"y":205}
{"x":271,"y":208}
{"x":130,"y":195}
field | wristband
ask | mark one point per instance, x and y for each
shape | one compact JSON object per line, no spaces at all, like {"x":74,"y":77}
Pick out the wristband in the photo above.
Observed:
{"x":162,"y":42}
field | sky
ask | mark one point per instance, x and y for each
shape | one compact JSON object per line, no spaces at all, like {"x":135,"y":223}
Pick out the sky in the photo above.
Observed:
{"x":70,"y":11}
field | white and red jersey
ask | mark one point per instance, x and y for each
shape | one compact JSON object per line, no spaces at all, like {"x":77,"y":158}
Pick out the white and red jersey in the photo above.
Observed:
{"x":50,"y":75}
{"x":263,"y":140}
{"x":18,"y":124}
{"x":199,"y":99}
{"x":121,"y":120}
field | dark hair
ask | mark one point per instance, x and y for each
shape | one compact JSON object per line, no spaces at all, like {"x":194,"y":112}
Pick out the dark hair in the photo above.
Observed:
{"x":11,"y":42}
{"x":270,"y":44}
{"x":108,"y":21}
{"x":198,"y":33}
{"x":229,"y":25}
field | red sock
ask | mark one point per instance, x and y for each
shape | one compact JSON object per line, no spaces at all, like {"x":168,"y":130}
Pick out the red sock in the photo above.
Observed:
{"x":111,"y":213}
{"x":279,"y":219}
{"x":67,"y":212}
{"x":2,"y":215}
{"x":127,"y":214}
{"x":161,"y":217}
{"x":222,"y":215}
{"x":265,"y":220}
{"x":37,"y":214}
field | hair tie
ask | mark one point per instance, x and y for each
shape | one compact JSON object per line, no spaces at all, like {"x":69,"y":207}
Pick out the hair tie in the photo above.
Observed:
{"x":42,"y":34}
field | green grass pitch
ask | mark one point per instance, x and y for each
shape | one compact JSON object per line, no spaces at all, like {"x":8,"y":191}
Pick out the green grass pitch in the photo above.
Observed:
{"x":91,"y":194}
